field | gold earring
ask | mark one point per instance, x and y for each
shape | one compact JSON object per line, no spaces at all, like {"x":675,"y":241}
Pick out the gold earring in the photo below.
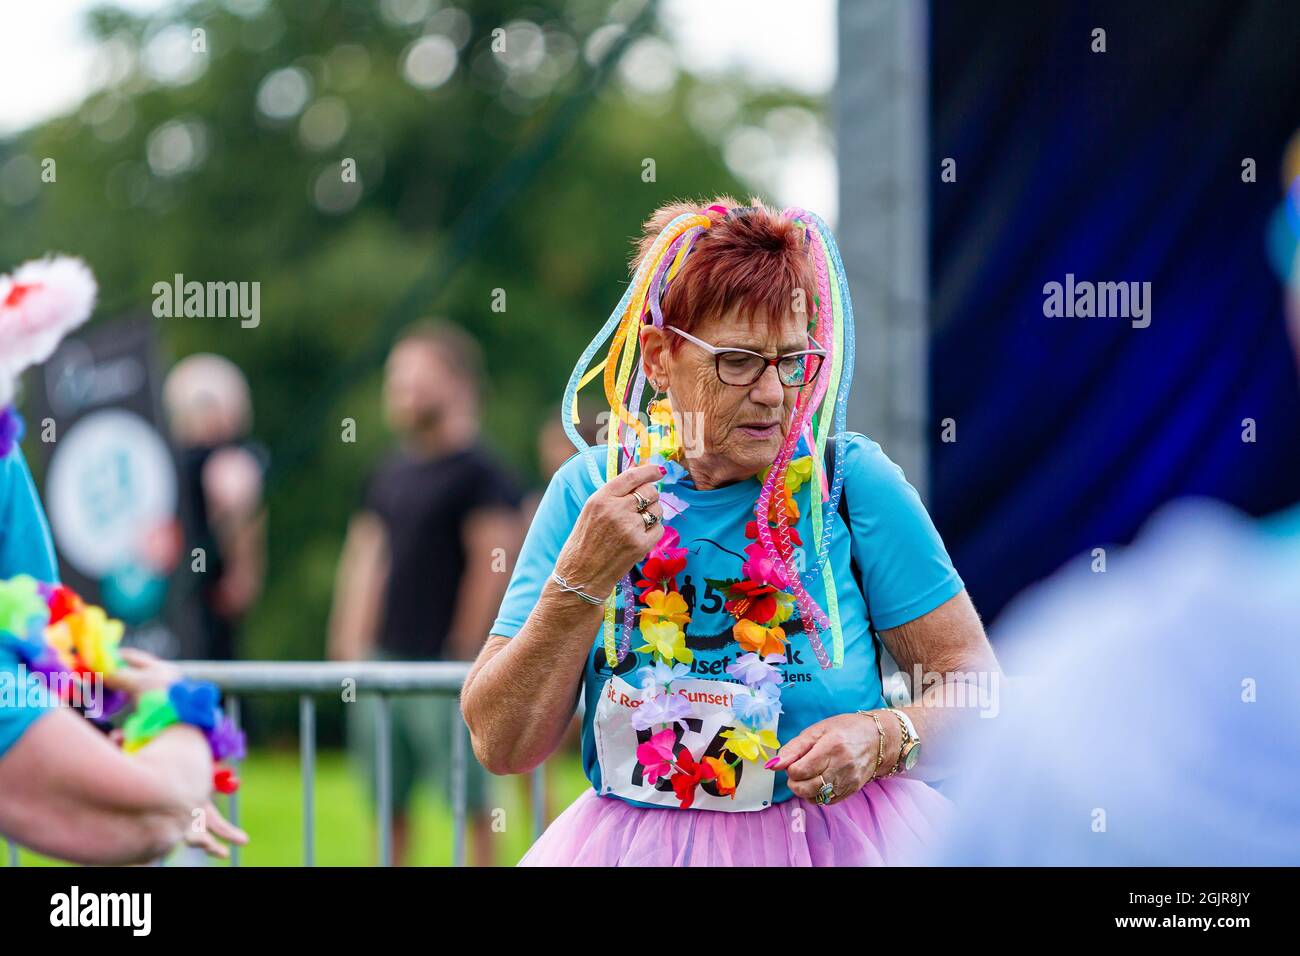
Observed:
{"x":661,"y":435}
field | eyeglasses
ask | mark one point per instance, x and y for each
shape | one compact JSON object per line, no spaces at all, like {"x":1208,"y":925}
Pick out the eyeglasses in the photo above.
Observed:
{"x":743,"y":368}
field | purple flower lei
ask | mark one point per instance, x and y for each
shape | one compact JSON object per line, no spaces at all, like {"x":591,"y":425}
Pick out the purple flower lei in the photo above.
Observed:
{"x":11,"y":430}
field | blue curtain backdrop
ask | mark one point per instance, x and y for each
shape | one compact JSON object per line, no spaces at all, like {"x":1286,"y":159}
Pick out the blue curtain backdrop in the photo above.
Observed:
{"x":1115,"y":166}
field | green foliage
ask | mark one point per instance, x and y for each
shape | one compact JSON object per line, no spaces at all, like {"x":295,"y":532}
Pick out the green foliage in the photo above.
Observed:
{"x":244,"y":210}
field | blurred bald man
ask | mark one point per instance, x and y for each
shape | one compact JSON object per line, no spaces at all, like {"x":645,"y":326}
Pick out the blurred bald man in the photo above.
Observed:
{"x":210,"y":412}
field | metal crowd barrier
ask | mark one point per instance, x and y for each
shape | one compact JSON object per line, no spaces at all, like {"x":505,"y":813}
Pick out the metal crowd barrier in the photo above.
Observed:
{"x":385,"y":679}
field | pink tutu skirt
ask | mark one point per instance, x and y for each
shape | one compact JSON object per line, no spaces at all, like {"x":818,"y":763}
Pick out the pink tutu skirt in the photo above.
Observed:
{"x":888,"y":822}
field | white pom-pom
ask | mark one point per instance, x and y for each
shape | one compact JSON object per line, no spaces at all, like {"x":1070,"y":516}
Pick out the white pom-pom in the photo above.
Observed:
{"x":40,"y":303}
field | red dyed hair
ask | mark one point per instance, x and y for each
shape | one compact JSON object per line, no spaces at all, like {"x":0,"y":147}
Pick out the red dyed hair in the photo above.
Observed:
{"x":753,"y":261}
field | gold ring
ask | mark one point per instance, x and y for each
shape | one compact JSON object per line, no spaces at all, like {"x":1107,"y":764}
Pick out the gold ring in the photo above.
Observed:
{"x":641,"y":503}
{"x":650,"y":519}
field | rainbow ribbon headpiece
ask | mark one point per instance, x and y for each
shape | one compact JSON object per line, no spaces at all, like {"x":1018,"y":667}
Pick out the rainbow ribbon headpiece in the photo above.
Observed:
{"x":624,"y":380}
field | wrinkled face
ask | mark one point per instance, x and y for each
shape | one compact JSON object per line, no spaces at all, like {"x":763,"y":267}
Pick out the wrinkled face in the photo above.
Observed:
{"x":419,"y":388}
{"x":729,"y":432}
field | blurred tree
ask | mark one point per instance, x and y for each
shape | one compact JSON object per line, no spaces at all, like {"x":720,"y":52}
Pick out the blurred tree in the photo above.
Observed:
{"x":219,"y":145}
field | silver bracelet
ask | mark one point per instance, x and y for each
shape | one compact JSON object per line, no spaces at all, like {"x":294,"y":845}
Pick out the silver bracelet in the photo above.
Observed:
{"x":575,"y":589}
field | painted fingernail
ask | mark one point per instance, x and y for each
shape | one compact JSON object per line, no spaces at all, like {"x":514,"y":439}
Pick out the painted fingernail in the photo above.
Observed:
{"x":662,"y":470}
{"x":772,"y":763}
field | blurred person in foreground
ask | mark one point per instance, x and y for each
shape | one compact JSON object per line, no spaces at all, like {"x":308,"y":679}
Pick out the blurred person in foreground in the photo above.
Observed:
{"x":1158,"y":721}
{"x":209,"y":410}
{"x":425,"y":563}
{"x":66,"y":790}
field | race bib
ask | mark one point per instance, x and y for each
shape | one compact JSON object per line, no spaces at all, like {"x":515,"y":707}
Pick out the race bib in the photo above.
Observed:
{"x":700,"y":732}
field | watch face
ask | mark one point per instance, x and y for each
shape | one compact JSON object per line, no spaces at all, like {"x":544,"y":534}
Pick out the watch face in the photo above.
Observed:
{"x":912,"y":756}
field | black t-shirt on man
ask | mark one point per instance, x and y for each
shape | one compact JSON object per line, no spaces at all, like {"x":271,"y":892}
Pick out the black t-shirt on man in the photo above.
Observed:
{"x":423,"y":503}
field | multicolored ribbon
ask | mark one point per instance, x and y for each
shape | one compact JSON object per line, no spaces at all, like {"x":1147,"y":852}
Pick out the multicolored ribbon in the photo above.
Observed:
{"x":624,"y":381}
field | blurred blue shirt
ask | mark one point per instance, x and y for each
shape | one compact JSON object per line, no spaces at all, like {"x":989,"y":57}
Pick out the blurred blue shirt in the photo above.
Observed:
{"x":25,"y":548}
{"x":1158,"y":718}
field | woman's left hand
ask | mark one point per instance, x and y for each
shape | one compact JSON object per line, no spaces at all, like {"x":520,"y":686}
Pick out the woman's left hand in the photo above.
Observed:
{"x":840,"y":750}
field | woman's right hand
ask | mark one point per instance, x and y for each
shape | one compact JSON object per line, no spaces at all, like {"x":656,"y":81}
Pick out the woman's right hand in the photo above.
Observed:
{"x":143,"y":672}
{"x":214,"y":829}
{"x":610,"y":535}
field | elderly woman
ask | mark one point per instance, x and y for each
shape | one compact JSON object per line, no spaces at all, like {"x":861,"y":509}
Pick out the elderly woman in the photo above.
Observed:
{"x":717,"y":581}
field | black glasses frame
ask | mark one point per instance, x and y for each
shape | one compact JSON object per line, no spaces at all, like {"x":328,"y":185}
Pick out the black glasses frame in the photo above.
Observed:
{"x":718,"y":352}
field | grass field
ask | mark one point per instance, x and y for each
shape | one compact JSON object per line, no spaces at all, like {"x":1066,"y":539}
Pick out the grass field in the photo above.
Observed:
{"x":270,"y":809}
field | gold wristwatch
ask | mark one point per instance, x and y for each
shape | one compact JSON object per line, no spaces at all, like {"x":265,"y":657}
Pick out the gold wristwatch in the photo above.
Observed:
{"x":909,"y":751}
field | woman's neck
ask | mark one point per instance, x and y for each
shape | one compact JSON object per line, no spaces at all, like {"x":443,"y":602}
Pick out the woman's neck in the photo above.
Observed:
{"x":707,"y":476}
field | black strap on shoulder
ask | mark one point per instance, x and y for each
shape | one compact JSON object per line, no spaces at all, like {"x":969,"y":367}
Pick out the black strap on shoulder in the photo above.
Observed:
{"x":853,"y":561}
{"x":844,"y":513}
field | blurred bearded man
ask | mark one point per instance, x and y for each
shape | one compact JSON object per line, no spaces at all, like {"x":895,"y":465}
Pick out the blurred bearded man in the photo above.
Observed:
{"x":426,"y":562}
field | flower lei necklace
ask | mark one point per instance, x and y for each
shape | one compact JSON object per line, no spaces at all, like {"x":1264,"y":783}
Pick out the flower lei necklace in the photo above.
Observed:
{"x":759,"y":603}
{"x":69,"y":645}
{"x":12,"y":429}
{"x":770,"y":590}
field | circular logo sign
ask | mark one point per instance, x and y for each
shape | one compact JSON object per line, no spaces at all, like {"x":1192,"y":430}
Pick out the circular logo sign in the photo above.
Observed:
{"x":110,"y":483}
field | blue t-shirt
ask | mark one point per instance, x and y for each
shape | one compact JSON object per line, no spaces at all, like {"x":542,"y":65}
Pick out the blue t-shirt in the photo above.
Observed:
{"x":905,"y":570}
{"x":25,"y":548}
